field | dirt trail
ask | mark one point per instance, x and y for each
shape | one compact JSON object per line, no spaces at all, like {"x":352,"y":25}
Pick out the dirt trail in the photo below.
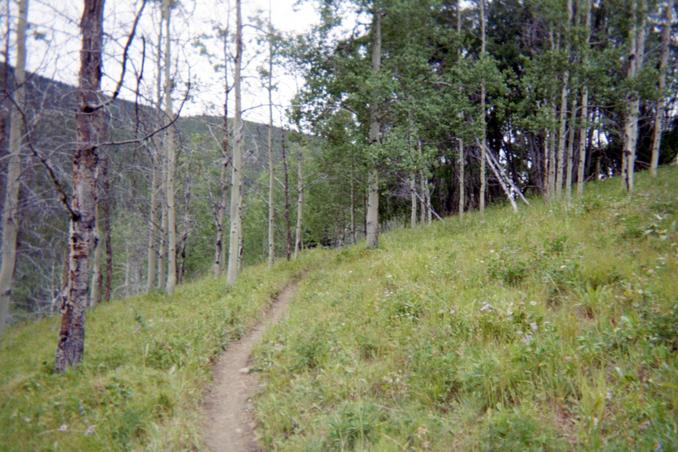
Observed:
{"x":229,"y":421}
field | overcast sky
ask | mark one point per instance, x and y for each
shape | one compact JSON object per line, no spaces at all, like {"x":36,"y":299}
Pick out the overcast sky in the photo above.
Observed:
{"x":55,"y":42}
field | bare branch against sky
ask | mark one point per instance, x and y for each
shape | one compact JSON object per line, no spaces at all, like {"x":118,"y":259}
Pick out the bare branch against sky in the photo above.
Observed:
{"x":54,"y":43}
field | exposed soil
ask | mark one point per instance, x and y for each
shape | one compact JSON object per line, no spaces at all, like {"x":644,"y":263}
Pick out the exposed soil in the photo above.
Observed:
{"x":228,"y":412}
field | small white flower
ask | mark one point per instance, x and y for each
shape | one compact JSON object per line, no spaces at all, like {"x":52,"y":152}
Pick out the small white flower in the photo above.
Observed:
{"x":534,"y":326}
{"x":63,"y":428}
{"x":486,"y":307}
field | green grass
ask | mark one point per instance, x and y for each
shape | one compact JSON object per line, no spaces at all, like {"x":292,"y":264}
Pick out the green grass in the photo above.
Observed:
{"x":147,"y":363}
{"x":550,"y":329}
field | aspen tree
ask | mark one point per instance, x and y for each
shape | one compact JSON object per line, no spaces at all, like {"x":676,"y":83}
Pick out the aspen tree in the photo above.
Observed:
{"x":372,"y":215}
{"x":154,"y":224}
{"x":269,"y":144}
{"x":221,"y":235}
{"x":483,"y":125}
{"x":171,"y":160}
{"x":583,"y":117}
{"x":412,"y":180}
{"x":569,"y":157}
{"x":460,"y":141}
{"x":560,"y":171}
{"x":635,"y":63}
{"x":661,"y":103}
{"x":286,"y":196}
{"x":10,"y":212}
{"x":71,"y":343}
{"x":236,"y":167}
{"x":298,"y":239}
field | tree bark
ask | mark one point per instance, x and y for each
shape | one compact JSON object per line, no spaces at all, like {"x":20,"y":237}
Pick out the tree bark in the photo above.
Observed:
{"x":661,"y":104}
{"x":462,"y":157}
{"x":413,"y":199}
{"x":162,"y":233}
{"x":483,"y":125}
{"x":637,"y":36}
{"x":71,"y":344}
{"x":4,"y":82}
{"x":269,"y":143}
{"x":100,"y":259}
{"x":552,"y":160}
{"x":570,"y":149}
{"x":106,"y":223}
{"x":560,"y":164}
{"x":352,"y":209}
{"x":10,"y":212}
{"x":155,"y":215}
{"x":372,"y":214}
{"x":298,"y":238}
{"x":462,"y":163}
{"x":286,"y":193}
{"x":219,"y":220}
{"x":546,"y":166}
{"x":186,"y":229}
{"x":236,"y":199}
{"x":151,"y":249}
{"x":171,"y":160}
{"x":583,"y":117}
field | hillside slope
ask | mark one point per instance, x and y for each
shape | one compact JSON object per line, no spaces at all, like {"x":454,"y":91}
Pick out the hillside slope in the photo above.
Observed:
{"x":148,"y":360}
{"x":552,"y":329}
{"x":548,"y":329}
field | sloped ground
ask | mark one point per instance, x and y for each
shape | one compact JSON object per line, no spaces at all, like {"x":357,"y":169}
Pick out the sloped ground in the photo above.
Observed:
{"x":552,"y":329}
{"x":148,"y":361}
{"x":228,"y":419}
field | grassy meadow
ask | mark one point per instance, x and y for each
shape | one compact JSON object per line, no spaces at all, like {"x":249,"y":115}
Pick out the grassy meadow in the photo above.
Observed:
{"x":147,"y":363}
{"x":552,"y":329}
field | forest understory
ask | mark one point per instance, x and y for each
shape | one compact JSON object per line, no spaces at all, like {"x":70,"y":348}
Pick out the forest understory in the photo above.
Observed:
{"x":553,"y":328}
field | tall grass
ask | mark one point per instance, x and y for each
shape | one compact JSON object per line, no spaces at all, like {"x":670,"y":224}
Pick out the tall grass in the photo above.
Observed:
{"x":147,"y":363}
{"x":554,"y":328}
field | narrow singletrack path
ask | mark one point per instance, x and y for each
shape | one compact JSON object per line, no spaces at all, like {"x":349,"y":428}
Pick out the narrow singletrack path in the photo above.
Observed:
{"x":228,"y":416}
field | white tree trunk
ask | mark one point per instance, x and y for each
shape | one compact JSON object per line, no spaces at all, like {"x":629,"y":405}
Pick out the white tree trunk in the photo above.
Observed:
{"x":483,"y":126}
{"x":171,"y":160}
{"x":298,"y":243}
{"x":236,"y":198}
{"x":583,"y":117}
{"x":413,"y":199}
{"x":570,"y":149}
{"x":155,"y":231}
{"x":372,"y":216}
{"x":637,"y":36}
{"x":462,"y":162}
{"x":151,"y":249}
{"x":352,"y":210}
{"x":552,"y":160}
{"x":560,"y":165}
{"x":560,"y":175}
{"x":661,"y":104}
{"x":583,"y":130}
{"x":271,"y":205}
{"x":10,"y":213}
